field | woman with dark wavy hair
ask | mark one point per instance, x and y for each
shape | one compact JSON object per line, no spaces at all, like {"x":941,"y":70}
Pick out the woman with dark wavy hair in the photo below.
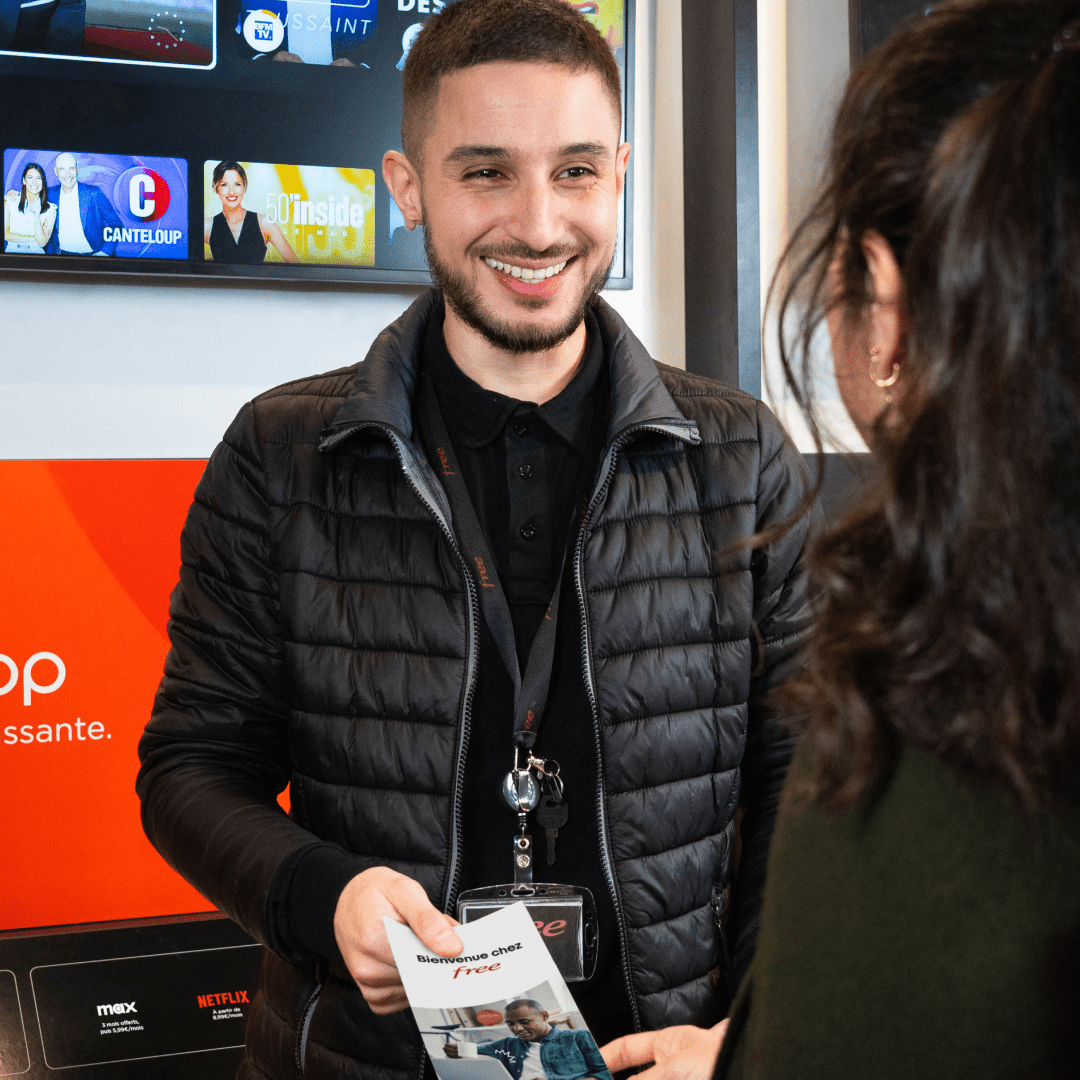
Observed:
{"x":922,"y":909}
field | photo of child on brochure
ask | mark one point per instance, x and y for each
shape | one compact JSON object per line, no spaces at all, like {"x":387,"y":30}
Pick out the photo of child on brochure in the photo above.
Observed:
{"x":500,"y":1010}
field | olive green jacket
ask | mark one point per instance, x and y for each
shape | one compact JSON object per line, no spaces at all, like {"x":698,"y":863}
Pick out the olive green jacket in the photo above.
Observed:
{"x":935,"y":935}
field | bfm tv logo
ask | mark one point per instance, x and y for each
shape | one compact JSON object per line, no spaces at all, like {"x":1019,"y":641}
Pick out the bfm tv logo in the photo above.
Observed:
{"x":142,"y":196}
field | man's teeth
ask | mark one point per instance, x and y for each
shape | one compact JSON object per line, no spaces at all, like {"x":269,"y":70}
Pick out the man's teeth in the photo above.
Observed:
{"x":525,"y":272}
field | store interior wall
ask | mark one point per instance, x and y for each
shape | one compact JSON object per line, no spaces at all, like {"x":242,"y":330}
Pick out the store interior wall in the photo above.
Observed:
{"x":818,"y":60}
{"x":803,"y":64}
{"x":132,"y":367}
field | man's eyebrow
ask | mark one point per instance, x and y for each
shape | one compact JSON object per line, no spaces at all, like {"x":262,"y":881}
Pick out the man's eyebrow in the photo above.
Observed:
{"x":470,"y":153}
{"x":592,"y":148}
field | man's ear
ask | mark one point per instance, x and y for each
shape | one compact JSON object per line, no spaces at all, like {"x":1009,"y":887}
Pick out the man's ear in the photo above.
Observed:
{"x":403,"y":180}
{"x":886,"y":312}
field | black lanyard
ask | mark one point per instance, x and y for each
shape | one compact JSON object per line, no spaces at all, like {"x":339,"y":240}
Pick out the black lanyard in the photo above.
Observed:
{"x":531,"y":687}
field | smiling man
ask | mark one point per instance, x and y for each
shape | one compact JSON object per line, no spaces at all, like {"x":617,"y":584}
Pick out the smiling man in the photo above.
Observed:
{"x":536,"y":1050}
{"x":84,"y":215}
{"x":507,"y":538}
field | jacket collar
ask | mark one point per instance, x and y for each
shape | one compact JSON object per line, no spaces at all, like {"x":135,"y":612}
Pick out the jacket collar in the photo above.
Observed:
{"x":386,"y":381}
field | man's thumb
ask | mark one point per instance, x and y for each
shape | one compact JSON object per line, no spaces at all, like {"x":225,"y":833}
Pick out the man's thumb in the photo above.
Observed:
{"x":429,"y":924}
{"x":438,"y":935}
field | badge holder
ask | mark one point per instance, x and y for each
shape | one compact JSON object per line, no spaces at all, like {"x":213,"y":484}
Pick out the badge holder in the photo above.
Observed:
{"x":565,"y":915}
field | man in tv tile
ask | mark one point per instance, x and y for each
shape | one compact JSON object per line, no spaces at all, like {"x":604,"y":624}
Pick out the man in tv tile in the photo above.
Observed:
{"x":340,"y":626}
{"x":83,"y":214}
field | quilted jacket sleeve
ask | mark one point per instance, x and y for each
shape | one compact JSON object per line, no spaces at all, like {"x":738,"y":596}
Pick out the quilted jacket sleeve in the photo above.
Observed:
{"x":214,"y":754}
{"x":782,"y":618}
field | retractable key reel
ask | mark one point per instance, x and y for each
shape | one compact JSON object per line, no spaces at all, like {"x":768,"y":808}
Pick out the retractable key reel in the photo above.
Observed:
{"x":565,"y":915}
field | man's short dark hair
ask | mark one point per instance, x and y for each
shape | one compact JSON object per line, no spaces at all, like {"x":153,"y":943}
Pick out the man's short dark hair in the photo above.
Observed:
{"x":524,"y":1003}
{"x":471,"y":32}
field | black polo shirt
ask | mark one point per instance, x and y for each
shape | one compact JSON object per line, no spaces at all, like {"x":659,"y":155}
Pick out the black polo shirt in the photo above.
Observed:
{"x":524,"y":466}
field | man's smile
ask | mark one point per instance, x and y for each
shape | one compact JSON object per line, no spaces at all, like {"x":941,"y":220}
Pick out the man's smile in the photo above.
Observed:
{"x":532,"y":281}
{"x":527,"y":273}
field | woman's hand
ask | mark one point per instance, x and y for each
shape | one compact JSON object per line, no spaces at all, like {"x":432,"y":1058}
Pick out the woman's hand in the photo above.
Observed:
{"x":676,"y":1053}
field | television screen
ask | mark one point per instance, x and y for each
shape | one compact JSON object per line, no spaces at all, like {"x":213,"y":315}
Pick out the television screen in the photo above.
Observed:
{"x":260,"y":129}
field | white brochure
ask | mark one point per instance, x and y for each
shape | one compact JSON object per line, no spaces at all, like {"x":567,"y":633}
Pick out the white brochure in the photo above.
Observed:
{"x":500,"y":1010}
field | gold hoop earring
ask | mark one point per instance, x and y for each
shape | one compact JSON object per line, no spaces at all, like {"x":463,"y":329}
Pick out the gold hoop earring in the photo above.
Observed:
{"x":883,"y":383}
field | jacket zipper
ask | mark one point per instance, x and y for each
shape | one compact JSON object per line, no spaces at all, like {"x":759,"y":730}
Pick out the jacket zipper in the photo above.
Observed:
{"x":470,"y":662}
{"x":305,"y":1026}
{"x":606,"y":858}
{"x":677,"y":431}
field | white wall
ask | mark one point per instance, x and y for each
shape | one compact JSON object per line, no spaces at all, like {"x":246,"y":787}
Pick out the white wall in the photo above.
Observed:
{"x":664,"y":254}
{"x":803,"y":63}
{"x":817,"y":69}
{"x":95,"y":368}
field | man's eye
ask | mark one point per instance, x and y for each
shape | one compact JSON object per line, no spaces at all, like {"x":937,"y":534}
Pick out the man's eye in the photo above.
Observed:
{"x":484,"y":174}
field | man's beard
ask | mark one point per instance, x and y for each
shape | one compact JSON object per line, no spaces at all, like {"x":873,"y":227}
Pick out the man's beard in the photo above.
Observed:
{"x":465,"y":300}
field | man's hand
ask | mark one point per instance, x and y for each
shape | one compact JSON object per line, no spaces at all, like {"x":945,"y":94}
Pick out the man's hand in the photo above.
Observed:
{"x":361,"y":936}
{"x":676,"y":1053}
{"x":450,"y":1050}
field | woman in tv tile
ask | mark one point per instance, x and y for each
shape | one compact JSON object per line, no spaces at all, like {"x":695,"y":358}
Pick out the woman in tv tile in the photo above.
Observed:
{"x":922,"y":907}
{"x":237,"y":235}
{"x":29,"y":217}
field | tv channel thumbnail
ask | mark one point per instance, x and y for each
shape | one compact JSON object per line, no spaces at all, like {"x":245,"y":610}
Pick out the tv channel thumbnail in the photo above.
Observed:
{"x":157,"y":32}
{"x":608,"y":16}
{"x":313,"y":214}
{"x":64,"y":202}
{"x":325,"y":32}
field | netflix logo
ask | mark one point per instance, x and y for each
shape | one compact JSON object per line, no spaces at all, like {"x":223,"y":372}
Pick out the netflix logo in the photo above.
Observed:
{"x":238,"y":997}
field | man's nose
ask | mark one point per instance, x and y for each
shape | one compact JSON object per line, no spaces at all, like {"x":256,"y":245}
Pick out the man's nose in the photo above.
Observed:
{"x":534,"y":217}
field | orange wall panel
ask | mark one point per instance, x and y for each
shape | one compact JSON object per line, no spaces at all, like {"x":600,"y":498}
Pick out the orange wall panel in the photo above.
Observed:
{"x":89,"y":552}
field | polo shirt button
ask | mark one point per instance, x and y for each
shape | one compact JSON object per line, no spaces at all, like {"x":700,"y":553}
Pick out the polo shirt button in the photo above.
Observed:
{"x":527,"y":532}
{"x":520,"y":427}
{"x":525,"y":471}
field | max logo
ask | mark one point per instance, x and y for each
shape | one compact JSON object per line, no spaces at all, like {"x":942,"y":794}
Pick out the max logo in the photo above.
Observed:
{"x":444,"y":461}
{"x":238,"y":997}
{"x":118,"y":1009}
{"x":485,"y":581}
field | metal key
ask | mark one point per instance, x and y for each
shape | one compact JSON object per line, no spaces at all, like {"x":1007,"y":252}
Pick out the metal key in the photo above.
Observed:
{"x":551,"y":816}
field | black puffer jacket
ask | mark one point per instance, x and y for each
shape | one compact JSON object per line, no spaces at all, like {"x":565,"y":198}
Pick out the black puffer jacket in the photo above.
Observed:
{"x":324,"y":633}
